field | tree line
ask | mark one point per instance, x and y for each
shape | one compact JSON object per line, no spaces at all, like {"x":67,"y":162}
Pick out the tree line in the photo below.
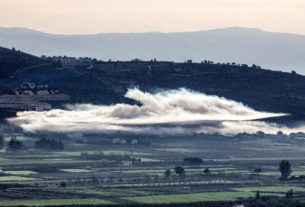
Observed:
{"x":46,"y":144}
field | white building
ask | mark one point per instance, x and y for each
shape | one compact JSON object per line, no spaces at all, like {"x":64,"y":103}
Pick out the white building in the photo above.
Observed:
{"x":126,"y":163}
{"x":42,"y":92}
{"x":117,"y":140}
{"x":40,"y":107}
{"x":30,"y":93}
{"x":134,"y":141}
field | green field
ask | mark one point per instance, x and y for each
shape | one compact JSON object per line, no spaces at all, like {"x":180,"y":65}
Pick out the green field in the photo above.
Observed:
{"x":15,"y":179}
{"x":272,"y":189}
{"x":186,"y":198}
{"x":53,"y":202}
{"x":76,"y":170}
{"x":21,"y":172}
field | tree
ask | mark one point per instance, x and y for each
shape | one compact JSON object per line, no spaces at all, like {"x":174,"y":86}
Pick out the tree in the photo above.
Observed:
{"x":289,"y":194}
{"x":167,"y":173}
{"x":258,"y":170}
{"x":1,"y":142}
{"x":94,"y":180}
{"x":285,"y":169}
{"x":63,"y":184}
{"x":15,"y":144}
{"x":207,"y":171}
{"x":179,"y":171}
{"x":257,"y":195}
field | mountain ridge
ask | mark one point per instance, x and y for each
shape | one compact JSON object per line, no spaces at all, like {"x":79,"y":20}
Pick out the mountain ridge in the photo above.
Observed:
{"x":277,"y":51}
{"x":232,"y":28}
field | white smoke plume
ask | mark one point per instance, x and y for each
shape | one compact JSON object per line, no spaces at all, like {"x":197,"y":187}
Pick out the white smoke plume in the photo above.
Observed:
{"x":167,"y":112}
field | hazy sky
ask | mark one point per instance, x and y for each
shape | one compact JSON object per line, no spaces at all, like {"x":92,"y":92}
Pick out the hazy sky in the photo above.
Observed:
{"x":94,"y":16}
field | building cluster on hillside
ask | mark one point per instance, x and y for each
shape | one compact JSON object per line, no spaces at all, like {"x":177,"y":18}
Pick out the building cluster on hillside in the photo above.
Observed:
{"x":29,"y":88}
{"x":70,"y":61}
{"x":280,"y":137}
{"x":30,"y":96}
{"x":19,"y":105}
{"x":40,"y":106}
{"x":123,"y":141}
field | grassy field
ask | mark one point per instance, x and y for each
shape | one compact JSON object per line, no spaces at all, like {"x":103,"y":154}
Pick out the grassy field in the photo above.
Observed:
{"x":53,"y":202}
{"x":272,"y":189}
{"x":21,"y":172}
{"x":274,"y":173}
{"x":76,"y":170}
{"x":15,"y":179}
{"x":186,"y":198}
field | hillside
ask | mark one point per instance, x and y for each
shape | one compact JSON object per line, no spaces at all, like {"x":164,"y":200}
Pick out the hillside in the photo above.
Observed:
{"x":277,"y":51}
{"x":107,"y":82}
{"x":12,"y":60}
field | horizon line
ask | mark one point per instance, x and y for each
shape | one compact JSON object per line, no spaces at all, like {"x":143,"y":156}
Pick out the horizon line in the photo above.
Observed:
{"x":146,"y":32}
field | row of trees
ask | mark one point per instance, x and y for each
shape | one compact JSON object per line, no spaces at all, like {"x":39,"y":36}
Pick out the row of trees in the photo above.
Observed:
{"x":13,"y":144}
{"x":47,"y":144}
{"x":284,"y":168}
{"x":181,"y":171}
{"x":112,"y":157}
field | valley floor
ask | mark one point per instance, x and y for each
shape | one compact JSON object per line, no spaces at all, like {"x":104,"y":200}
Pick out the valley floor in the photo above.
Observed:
{"x":89,"y":171}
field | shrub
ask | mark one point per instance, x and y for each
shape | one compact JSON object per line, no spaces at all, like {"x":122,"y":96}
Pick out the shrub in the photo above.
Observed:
{"x":193,"y":161}
{"x":49,"y":144}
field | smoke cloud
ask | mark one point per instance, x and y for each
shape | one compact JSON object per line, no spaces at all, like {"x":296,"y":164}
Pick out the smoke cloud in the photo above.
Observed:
{"x":166,"y":112}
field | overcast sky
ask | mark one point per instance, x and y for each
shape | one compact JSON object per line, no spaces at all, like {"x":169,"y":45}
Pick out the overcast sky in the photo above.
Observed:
{"x":95,"y":16}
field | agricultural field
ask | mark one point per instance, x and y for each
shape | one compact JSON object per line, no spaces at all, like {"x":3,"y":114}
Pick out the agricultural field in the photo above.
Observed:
{"x":91,"y":171}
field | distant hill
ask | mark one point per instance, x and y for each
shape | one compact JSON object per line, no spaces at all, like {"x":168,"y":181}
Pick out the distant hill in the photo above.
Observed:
{"x":275,"y":51}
